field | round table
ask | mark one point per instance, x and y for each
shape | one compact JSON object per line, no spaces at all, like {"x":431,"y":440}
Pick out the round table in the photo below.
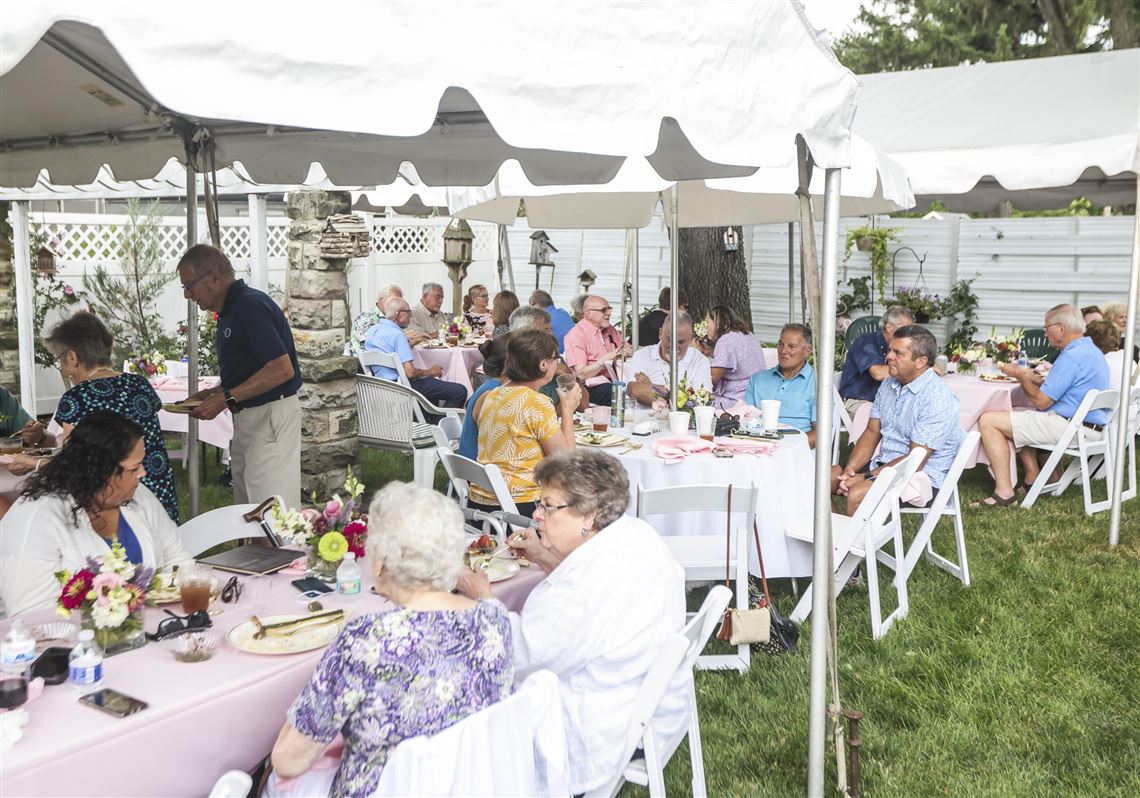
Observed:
{"x":786,"y":494}
{"x":218,"y":431}
{"x":458,"y":362}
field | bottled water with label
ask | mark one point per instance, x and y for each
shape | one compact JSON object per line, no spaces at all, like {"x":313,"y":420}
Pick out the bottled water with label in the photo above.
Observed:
{"x":348,"y":576}
{"x":1023,"y":359}
{"x":86,"y":664}
{"x":19,"y":650}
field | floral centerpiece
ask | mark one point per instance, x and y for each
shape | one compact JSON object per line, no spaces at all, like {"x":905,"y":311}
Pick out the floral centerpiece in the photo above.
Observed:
{"x":459,"y":327}
{"x":701,"y":330}
{"x":690,"y":397}
{"x":148,"y":364}
{"x":995,"y":349}
{"x":328,"y":533}
{"x":109,"y":593}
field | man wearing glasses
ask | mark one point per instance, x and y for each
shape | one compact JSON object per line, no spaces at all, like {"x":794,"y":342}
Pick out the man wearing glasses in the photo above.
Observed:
{"x":1080,"y":368}
{"x":592,"y":346}
{"x":388,"y":336}
{"x":259,"y":377}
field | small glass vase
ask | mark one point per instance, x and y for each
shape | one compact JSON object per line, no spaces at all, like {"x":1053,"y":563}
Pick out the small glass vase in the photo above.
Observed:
{"x":127,"y":636}
{"x":320,"y":568}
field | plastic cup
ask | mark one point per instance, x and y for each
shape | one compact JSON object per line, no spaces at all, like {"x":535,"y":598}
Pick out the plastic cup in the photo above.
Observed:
{"x":600,"y":415}
{"x":679,"y":423}
{"x":770,"y":413}
{"x":565,"y":383}
{"x":706,"y":422}
{"x":194,"y":583}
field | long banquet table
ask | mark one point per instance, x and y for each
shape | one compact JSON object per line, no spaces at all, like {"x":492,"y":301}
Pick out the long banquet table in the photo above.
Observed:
{"x":786,"y":490}
{"x":204,"y":718}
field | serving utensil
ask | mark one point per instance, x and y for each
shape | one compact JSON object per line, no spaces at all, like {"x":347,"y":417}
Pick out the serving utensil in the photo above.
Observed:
{"x":287,"y":628}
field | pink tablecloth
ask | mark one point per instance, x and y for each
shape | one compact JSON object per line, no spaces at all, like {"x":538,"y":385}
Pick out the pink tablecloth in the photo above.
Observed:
{"x":458,"y":362}
{"x":204,"y":718}
{"x":218,"y":431}
{"x":975,"y":396}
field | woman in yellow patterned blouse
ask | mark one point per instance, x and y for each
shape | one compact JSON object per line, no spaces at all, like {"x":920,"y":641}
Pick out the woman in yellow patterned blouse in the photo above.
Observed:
{"x":517,"y":425}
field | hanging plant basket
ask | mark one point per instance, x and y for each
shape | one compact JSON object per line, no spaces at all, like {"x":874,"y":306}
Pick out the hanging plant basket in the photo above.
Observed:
{"x":865,"y":243}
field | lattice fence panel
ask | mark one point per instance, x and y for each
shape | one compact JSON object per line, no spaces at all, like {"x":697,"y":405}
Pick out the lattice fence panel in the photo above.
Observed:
{"x":172,"y":240}
{"x":277,"y":241}
{"x":84,"y":242}
{"x":235,"y":241}
{"x":407,"y":239}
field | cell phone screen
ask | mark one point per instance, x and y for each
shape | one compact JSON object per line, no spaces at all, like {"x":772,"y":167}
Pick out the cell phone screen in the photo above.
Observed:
{"x":114,"y":702}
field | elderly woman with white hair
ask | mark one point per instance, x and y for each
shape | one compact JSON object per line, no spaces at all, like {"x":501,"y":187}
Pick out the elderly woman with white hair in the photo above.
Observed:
{"x":612,"y":595}
{"x":412,"y":670}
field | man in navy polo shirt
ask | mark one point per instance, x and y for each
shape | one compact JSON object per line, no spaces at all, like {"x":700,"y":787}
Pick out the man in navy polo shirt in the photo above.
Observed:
{"x":866,"y":365}
{"x":259,"y":378}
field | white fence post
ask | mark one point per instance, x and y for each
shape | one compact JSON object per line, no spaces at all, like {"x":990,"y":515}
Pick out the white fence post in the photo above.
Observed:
{"x":258,"y":243}
{"x":22,"y":260}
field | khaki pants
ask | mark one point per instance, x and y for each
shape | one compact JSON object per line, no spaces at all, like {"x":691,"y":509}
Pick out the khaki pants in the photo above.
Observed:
{"x":265,"y":455}
{"x":853,"y":406}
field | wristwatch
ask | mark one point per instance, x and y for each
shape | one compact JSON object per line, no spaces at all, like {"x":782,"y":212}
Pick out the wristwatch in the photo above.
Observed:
{"x":231,"y":403}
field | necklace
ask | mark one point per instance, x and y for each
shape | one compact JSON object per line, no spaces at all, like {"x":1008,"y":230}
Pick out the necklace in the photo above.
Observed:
{"x":99,"y":370}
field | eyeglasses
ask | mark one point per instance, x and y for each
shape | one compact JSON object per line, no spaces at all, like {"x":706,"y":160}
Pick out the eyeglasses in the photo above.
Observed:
{"x":605,"y":311}
{"x":548,"y":509}
{"x":177,"y":624}
{"x":1054,"y":324}
{"x":231,"y":593}
{"x":188,"y":287}
{"x":405,"y":310}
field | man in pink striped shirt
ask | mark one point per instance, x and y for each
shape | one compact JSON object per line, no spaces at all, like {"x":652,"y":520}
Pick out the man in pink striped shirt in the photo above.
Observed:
{"x":591,"y":347}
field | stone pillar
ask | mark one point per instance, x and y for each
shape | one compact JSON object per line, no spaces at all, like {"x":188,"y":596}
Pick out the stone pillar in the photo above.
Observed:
{"x":9,"y":343}
{"x":316,"y":293}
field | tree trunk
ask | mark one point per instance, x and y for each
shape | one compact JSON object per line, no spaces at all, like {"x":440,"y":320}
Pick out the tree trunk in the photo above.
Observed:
{"x":711,"y":276}
{"x":1124,"y":24}
{"x":1063,"y":40}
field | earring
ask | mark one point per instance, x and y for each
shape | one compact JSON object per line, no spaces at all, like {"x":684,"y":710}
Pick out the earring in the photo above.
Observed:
{"x":585,"y":532}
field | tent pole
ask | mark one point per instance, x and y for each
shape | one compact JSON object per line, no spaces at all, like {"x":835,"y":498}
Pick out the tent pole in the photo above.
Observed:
{"x":192,"y":476}
{"x":791,"y":272}
{"x":821,"y":572}
{"x":1125,"y":383}
{"x":258,"y":243}
{"x":505,"y":258}
{"x":635,"y":293}
{"x":25,"y":305}
{"x":674,"y":279}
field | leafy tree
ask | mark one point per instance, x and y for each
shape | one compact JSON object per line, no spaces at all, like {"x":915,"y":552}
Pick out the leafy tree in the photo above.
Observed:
{"x":127,"y":304}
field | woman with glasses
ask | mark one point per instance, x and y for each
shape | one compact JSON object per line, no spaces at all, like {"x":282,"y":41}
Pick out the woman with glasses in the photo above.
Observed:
{"x":409,"y":671}
{"x":505,"y":304}
{"x":477,"y":311}
{"x":613,"y":594}
{"x":83,"y":345}
{"x":735,"y":353}
{"x":517,"y":425}
{"x":79,"y":503}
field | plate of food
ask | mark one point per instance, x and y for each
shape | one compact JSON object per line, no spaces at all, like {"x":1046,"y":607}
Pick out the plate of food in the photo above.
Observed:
{"x":287,"y":634}
{"x":169,"y":592}
{"x":184,"y":407}
{"x":995,"y":378}
{"x":600,"y":439}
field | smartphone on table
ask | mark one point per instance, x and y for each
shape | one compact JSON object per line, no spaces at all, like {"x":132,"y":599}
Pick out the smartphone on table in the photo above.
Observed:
{"x":113,"y":702}
{"x":52,"y":665}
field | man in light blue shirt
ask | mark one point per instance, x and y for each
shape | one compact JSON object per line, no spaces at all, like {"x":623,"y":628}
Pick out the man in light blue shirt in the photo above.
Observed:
{"x":1080,"y":368}
{"x":560,"y":321}
{"x":913,"y":409}
{"x":792,"y":382}
{"x":388,"y":336}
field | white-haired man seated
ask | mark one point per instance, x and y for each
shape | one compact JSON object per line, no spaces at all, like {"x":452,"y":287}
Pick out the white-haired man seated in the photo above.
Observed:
{"x":1079,"y":368}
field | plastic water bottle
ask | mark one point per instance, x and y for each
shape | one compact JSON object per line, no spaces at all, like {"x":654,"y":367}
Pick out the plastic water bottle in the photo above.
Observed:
{"x":617,"y":406}
{"x":19,"y":650}
{"x":86,"y":664}
{"x":348,"y":576}
{"x":1023,"y":359}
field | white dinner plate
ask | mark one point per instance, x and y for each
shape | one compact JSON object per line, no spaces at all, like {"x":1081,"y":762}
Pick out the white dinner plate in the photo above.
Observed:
{"x":241,"y":636}
{"x":600,"y":439}
{"x":501,"y":568}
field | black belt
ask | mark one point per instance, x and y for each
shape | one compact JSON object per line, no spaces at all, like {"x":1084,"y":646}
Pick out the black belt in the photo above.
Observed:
{"x":1093,"y":427}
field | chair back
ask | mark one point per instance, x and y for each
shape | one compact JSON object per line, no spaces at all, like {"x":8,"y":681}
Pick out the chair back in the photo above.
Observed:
{"x":1034,"y":343}
{"x":465,"y":472}
{"x":700,"y":498}
{"x":840,"y":422}
{"x":861,"y":326}
{"x":389,"y":359}
{"x":700,"y":627}
{"x":452,"y":427}
{"x":384,"y":413}
{"x":221,"y":525}
{"x":876,"y":510}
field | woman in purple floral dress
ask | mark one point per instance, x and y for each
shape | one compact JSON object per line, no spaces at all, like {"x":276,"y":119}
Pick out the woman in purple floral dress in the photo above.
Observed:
{"x":736,"y":355}
{"x":412,"y":670}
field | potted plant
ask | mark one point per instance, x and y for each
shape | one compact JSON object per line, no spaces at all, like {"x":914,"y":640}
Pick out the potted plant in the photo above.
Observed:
{"x":875,"y":242}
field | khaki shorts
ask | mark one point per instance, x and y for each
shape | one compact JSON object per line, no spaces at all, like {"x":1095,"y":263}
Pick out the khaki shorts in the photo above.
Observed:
{"x":1035,"y":428}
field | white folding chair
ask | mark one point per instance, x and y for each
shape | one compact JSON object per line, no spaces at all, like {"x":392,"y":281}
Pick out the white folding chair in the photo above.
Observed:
{"x":1129,"y":443}
{"x":860,"y":539}
{"x":232,"y":784}
{"x":946,"y":503}
{"x":452,"y":427}
{"x":649,"y":772}
{"x":841,"y":422}
{"x":703,"y":556}
{"x":670,"y":659}
{"x":1083,"y":445}
{"x":218,"y":526}
{"x":463,"y":473}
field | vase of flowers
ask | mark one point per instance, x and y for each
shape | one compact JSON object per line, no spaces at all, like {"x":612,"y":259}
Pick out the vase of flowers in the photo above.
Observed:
{"x":329,"y":532}
{"x":689,"y":397}
{"x":458,"y":328}
{"x":148,"y":364}
{"x":109,"y":594}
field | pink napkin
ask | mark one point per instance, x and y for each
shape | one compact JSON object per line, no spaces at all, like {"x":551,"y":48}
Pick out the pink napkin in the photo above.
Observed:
{"x":743,"y":411}
{"x":675,"y":448}
{"x":742,"y":446}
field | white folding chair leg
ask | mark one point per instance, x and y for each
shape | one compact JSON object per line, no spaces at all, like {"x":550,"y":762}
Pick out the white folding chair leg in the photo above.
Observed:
{"x":1039,"y":484}
{"x":960,"y":569}
{"x":423,"y":466}
{"x":696,"y":753}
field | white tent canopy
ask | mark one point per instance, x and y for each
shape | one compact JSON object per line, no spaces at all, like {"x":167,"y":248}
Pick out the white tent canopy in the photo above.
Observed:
{"x":1038,"y":132}
{"x":873,"y":184}
{"x":568,"y":89}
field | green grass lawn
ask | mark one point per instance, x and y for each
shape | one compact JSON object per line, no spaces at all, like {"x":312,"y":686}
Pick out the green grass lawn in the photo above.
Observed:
{"x":1026,"y":683}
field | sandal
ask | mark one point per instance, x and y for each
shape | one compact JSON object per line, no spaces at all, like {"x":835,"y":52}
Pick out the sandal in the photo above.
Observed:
{"x":998,"y":501}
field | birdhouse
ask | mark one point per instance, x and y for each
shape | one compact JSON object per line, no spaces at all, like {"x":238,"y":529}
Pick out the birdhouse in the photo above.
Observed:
{"x":45,"y":261}
{"x":586,"y":279}
{"x":345,"y":236}
{"x":458,"y":252}
{"x":540,"y":248}
{"x":731,"y":240}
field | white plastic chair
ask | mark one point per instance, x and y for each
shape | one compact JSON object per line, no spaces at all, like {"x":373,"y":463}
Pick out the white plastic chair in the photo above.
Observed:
{"x":222,"y":525}
{"x":702,"y":556}
{"x":452,"y":427}
{"x":860,"y":539}
{"x":390,"y":360}
{"x":464,"y":472}
{"x":946,"y":503}
{"x":670,"y":659}
{"x":649,"y":772}
{"x":232,"y":784}
{"x":1078,"y":441}
{"x":841,"y":422}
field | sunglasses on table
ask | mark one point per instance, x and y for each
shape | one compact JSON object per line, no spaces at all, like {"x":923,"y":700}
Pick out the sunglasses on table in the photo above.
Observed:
{"x":231,"y":593}
{"x":177,"y":624}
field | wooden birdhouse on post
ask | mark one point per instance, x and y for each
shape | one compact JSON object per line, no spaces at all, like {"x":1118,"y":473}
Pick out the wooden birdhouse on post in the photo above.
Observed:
{"x":458,"y":252}
{"x":540,"y":249}
{"x":587,"y":279}
{"x":45,"y":261}
{"x":345,"y":236}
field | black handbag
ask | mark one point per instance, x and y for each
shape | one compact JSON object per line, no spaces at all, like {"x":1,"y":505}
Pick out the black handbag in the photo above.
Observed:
{"x":726,"y":424}
{"x":784,"y":633}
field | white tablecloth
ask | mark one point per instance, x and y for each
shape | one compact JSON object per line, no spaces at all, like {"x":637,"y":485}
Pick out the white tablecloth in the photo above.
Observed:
{"x":786,"y":491}
{"x":458,"y":362}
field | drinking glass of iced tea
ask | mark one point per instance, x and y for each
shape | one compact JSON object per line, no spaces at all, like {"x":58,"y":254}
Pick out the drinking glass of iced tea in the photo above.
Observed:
{"x":195,"y":581}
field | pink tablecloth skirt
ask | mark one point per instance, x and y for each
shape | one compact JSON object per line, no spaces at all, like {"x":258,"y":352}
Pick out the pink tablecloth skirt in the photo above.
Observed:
{"x":218,"y":431}
{"x":458,"y":362}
